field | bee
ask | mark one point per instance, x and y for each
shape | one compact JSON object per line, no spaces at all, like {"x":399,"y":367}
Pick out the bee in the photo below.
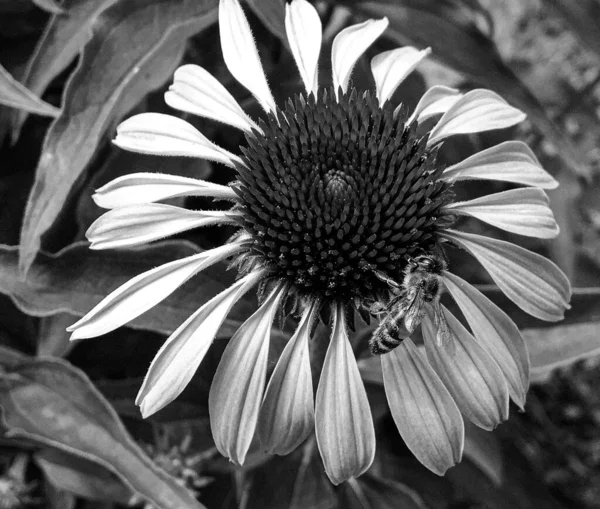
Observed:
{"x":421,"y":286}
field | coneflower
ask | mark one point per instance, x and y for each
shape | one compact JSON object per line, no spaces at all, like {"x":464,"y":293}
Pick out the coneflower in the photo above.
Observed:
{"x":337,"y":193}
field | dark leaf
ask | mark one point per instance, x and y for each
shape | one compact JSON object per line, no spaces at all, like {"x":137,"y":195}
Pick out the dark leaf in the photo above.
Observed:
{"x":15,"y":95}
{"x":81,"y":477}
{"x":484,"y":450}
{"x":272,"y":14}
{"x":554,"y":347}
{"x":370,"y":491}
{"x":51,"y":402}
{"x":95,"y":93}
{"x":9,"y":358}
{"x":77,"y":278}
{"x":62,"y":40}
{"x":457,"y":42}
{"x":53,"y":338}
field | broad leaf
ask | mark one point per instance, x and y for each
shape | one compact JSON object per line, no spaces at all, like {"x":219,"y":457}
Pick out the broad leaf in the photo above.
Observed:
{"x":77,"y":278}
{"x":13,"y":94}
{"x":554,"y":347}
{"x":82,"y":477}
{"x":272,"y":14}
{"x":457,"y":42}
{"x":96,"y":92}
{"x":53,"y":403}
{"x":484,"y":450}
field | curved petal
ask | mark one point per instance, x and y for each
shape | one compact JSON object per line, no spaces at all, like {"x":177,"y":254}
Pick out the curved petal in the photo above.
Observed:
{"x":437,"y":100}
{"x":522,"y":211}
{"x":179,"y":357}
{"x":139,"y":188}
{"x":390,"y":68}
{"x":532,"y":282}
{"x":139,"y":224}
{"x":239,"y":383}
{"x":511,"y":161}
{"x":476,"y":111}
{"x":287,"y":412}
{"x":424,"y":412}
{"x":496,"y":332}
{"x":145,"y":291}
{"x":349,"y":45}
{"x":240,"y":53}
{"x":343,"y":421}
{"x":304,"y":33}
{"x":165,"y":135}
{"x":469,"y":373}
{"x":196,"y":91}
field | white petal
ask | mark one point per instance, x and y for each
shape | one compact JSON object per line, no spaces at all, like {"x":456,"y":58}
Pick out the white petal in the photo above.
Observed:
{"x":532,"y":282}
{"x":476,"y":111}
{"x":179,"y":357}
{"x":143,"y":292}
{"x":343,"y":421}
{"x":139,"y":188}
{"x":349,"y":45}
{"x":469,"y":373}
{"x":287,"y":412}
{"x":197,"y":91}
{"x":511,"y":161}
{"x":304,"y":33}
{"x":239,"y":383}
{"x":496,"y":332}
{"x":240,"y":53}
{"x":390,"y":68}
{"x":139,"y":224}
{"x":165,"y":135}
{"x":437,"y":100}
{"x":522,"y":211}
{"x":424,"y":412}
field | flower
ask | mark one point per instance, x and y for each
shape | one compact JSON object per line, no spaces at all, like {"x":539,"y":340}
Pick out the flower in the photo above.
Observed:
{"x":336,"y":197}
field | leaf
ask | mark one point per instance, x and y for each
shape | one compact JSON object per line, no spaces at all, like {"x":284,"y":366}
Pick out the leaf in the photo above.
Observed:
{"x":554,"y":347}
{"x":13,"y":94}
{"x":374,"y":492}
{"x":51,"y":402}
{"x":53,"y":339}
{"x":10,"y":358}
{"x":62,"y":40}
{"x":483,"y":449}
{"x":95,"y":92}
{"x":82,"y":477}
{"x":49,"y":6}
{"x":77,"y":278}
{"x":272,"y":14}
{"x":457,"y":42}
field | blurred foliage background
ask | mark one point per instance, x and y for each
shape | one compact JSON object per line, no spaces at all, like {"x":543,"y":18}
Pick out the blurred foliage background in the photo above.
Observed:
{"x":72,"y":436}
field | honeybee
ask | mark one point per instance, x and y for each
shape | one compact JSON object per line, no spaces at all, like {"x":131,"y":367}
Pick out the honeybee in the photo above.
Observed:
{"x":422,"y":286}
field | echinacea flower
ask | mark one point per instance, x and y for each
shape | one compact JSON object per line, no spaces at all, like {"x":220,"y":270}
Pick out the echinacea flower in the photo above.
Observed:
{"x":336,"y":193}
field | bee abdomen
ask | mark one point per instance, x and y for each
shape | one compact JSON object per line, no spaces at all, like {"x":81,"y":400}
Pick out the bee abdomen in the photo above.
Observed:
{"x":381,"y":342}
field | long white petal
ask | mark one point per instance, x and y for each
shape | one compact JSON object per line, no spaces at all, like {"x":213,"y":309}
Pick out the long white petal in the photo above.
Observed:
{"x":522,"y":211}
{"x":532,"y":282}
{"x":390,"y":68}
{"x":437,"y":100}
{"x":240,"y":53}
{"x":469,"y":373}
{"x":476,"y":111}
{"x":349,"y":45}
{"x":145,"y":291}
{"x":287,"y":412}
{"x":197,"y":91}
{"x":304,"y":33}
{"x":139,"y":224}
{"x":179,"y":357}
{"x":511,"y":161}
{"x":239,"y":383}
{"x":424,"y":412}
{"x":496,"y":332}
{"x":343,"y":421}
{"x":165,"y":135}
{"x":139,"y":188}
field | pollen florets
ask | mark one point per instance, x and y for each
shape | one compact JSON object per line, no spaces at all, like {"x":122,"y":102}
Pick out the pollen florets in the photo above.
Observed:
{"x":338,"y":194}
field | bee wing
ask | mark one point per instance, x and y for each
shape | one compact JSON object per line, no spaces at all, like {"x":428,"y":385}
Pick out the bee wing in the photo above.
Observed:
{"x":443,"y":335}
{"x":413,"y":309}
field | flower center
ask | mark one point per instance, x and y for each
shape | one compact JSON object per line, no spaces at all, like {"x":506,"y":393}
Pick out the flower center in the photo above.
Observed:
{"x":338,"y":194}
